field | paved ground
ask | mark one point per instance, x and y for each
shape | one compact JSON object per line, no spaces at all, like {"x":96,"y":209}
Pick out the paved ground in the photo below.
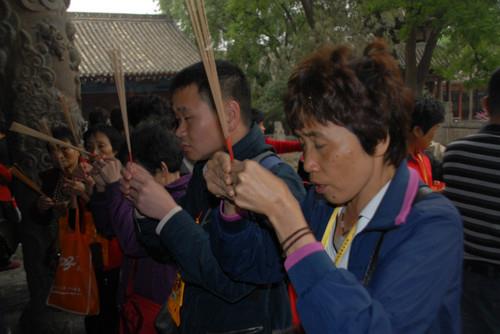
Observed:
{"x":14,"y":296}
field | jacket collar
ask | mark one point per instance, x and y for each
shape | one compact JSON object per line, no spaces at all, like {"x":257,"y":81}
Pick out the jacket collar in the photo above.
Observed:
{"x":197,"y":197}
{"x":398,"y":200}
{"x":251,"y":145}
{"x":180,"y":183}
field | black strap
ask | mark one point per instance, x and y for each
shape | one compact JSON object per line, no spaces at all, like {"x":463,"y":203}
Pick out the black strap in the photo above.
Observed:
{"x":373,"y":260}
{"x":422,"y":192}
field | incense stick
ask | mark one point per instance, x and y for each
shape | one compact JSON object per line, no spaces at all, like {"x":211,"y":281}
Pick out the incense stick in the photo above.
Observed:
{"x":22,"y":129}
{"x":26,"y":180}
{"x":196,"y":9}
{"x":116,"y":61}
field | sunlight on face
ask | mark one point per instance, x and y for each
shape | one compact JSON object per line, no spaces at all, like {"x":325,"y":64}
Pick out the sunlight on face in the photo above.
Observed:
{"x":336,"y":161}
{"x":198,"y":129}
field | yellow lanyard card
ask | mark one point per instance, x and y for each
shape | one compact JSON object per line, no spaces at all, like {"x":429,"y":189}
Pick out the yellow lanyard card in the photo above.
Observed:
{"x":328,"y":232}
{"x":176,"y":299}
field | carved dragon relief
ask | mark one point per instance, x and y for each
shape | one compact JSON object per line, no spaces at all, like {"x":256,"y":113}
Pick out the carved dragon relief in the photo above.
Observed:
{"x":45,"y":65}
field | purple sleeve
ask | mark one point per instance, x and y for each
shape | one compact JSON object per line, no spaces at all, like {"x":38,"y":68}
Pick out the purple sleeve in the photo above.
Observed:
{"x":121,"y":216}
{"x":301,"y":253}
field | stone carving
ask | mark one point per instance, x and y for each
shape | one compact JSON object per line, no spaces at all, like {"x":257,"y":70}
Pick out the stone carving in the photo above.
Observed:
{"x":35,"y":71}
{"x":52,"y":40}
{"x":38,"y":65}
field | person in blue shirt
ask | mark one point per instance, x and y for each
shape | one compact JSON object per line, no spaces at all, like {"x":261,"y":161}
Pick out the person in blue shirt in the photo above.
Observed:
{"x":369,"y":250}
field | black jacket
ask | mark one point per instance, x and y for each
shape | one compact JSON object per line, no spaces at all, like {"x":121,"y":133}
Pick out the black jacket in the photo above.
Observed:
{"x":214,"y":303}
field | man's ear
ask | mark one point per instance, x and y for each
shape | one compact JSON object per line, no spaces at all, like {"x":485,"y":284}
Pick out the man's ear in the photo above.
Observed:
{"x":417,"y":132}
{"x":382,"y":147}
{"x":164,"y":167}
{"x":233,"y":115}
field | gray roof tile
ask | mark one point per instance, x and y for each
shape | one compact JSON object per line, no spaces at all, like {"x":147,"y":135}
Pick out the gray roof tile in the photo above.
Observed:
{"x":151,"y":45}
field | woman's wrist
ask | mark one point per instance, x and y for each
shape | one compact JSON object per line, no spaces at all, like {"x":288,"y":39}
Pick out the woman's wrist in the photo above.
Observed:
{"x":286,"y":217}
{"x":306,"y":239}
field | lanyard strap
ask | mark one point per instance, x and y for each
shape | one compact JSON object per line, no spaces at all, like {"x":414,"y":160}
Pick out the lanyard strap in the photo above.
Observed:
{"x":328,"y":232}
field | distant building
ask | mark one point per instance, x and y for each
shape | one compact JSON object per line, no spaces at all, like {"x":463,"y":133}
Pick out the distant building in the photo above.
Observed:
{"x":463,"y":103}
{"x":153,"y":49}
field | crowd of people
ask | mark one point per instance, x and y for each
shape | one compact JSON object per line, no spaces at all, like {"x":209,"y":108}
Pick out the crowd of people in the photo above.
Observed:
{"x":186,"y":238}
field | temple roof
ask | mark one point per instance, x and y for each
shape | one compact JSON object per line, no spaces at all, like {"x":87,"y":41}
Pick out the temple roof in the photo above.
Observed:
{"x":152,"y":47}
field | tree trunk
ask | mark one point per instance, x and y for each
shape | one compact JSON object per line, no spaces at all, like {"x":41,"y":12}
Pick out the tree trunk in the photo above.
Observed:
{"x":309,"y":12}
{"x":411,"y":60}
{"x":425,"y":62}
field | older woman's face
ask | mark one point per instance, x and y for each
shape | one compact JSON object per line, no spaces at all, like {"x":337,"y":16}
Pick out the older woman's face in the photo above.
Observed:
{"x":64,"y":157}
{"x":99,"y":144}
{"x":336,"y":161}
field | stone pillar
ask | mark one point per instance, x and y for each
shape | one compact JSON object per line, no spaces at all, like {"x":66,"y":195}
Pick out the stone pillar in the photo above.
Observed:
{"x":38,"y":65}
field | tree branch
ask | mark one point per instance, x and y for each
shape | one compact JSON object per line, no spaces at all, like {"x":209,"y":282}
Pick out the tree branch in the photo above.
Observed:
{"x":411,"y":59}
{"x":309,"y":12}
{"x":425,"y":62}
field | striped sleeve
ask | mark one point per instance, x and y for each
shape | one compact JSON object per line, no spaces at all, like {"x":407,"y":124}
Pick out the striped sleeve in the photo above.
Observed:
{"x":471,"y":171}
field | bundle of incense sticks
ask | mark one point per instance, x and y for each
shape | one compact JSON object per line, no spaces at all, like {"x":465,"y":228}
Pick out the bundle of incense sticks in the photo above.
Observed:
{"x":26,"y":180}
{"x":22,"y":129}
{"x":116,"y":61}
{"x":196,"y":9}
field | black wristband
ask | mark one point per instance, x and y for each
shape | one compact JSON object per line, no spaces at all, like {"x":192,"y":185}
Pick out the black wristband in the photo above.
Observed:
{"x":283,"y":243}
{"x":294,"y":241}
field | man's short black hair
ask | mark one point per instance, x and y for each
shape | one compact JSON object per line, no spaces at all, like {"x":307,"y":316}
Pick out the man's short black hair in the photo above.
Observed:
{"x":494,"y":93}
{"x":153,"y":144}
{"x":427,"y":113}
{"x":232,"y":80}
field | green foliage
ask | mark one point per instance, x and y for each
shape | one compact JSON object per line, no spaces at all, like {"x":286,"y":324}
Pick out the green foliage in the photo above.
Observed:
{"x":469,"y":32}
{"x":267,"y":37}
{"x":473,"y":44}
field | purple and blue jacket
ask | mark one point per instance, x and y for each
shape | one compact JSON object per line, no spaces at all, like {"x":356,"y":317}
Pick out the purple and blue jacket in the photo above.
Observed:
{"x":113,"y":212}
{"x":415,"y":286}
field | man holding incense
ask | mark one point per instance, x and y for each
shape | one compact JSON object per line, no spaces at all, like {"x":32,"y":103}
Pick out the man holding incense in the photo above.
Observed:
{"x":211,"y":302}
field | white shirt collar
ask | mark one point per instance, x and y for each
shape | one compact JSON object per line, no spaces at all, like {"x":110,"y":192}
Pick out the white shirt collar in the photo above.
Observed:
{"x":369,"y":210}
{"x":365,"y":217}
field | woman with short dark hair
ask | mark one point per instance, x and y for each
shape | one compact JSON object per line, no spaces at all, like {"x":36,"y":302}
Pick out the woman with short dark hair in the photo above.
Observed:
{"x":389,"y":254}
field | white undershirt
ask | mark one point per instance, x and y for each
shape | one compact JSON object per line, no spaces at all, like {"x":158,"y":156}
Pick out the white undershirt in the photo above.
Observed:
{"x":365,"y":217}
